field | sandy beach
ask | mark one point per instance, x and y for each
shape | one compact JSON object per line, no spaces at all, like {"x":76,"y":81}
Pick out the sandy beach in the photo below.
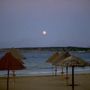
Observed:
{"x":46,"y":83}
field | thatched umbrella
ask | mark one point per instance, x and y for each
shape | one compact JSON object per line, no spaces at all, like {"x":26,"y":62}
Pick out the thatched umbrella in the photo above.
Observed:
{"x":17,"y":54}
{"x":73,"y":61}
{"x":57,"y":58}
{"x":52,"y":59}
{"x":9,"y":62}
{"x":62,"y":56}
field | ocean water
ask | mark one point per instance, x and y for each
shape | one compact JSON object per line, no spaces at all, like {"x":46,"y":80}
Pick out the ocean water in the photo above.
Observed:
{"x":36,"y":65}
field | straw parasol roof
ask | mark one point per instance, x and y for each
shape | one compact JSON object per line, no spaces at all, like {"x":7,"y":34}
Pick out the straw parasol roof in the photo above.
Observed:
{"x":53,"y":58}
{"x":62,"y":56}
{"x":73,"y":61}
{"x":17,"y":54}
{"x":9,"y":62}
{"x":57,"y":57}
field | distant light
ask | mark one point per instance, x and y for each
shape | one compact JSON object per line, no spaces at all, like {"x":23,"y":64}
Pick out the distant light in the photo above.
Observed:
{"x":44,"y":32}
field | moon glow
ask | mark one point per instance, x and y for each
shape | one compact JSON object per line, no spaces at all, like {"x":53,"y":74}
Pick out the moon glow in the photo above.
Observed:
{"x":44,"y":32}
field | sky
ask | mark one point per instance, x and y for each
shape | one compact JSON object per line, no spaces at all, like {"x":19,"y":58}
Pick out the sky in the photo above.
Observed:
{"x":67,"y":23}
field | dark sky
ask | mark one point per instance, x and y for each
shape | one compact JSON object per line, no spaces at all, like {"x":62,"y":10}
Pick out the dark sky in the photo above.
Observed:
{"x":67,"y":23}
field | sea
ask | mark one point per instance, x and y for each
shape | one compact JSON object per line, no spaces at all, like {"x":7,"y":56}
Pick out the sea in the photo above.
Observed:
{"x":36,"y":65}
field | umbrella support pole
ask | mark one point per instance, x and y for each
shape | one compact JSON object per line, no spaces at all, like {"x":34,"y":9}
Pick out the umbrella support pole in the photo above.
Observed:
{"x":66,"y":72}
{"x":8,"y":80}
{"x":14,"y":78}
{"x":72,"y":77}
{"x":73,"y":83}
{"x":62,"y":71}
{"x":55,"y":70}
{"x":67,"y":75}
{"x":52,"y":71}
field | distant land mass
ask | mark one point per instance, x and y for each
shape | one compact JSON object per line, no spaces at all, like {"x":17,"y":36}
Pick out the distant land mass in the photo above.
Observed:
{"x":69,"y":48}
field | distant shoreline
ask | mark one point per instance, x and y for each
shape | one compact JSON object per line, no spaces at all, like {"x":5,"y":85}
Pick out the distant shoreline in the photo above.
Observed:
{"x":80,"y":49}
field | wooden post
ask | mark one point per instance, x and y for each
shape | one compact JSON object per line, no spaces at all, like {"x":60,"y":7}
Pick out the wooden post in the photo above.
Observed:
{"x":55,"y":70}
{"x":67,"y":75}
{"x":14,"y":78}
{"x":62,"y":71}
{"x":8,"y":80}
{"x":72,"y":77}
{"x":52,"y":70}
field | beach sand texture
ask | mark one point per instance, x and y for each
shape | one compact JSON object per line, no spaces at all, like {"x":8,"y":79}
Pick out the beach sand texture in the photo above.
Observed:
{"x":46,"y":83}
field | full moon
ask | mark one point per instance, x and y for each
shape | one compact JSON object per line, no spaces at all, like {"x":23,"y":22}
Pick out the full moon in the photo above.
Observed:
{"x":44,"y":32}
